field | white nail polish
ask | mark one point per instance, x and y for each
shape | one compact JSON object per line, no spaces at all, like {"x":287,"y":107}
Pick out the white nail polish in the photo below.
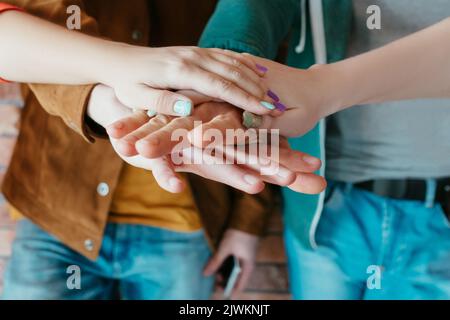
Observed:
{"x":151,"y":113}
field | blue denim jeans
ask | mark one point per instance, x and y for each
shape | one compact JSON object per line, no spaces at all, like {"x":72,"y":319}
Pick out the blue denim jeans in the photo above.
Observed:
{"x":135,"y":262}
{"x":371,"y":247}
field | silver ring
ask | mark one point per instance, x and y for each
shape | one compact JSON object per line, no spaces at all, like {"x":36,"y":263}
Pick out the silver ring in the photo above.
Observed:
{"x":251,"y":120}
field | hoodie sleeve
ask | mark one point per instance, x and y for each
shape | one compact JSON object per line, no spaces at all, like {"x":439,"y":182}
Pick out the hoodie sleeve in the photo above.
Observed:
{"x":254,"y":26}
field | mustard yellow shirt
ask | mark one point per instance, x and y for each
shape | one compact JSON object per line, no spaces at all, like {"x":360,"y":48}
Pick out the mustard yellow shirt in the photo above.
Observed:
{"x":138,"y":199}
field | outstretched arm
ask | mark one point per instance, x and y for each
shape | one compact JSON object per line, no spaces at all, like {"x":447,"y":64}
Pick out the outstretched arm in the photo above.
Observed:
{"x":37,"y":51}
{"x":414,"y":67}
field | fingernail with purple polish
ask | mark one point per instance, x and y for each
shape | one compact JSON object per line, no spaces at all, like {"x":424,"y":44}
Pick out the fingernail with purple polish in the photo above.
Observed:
{"x":272,"y":94}
{"x":261,"y":68}
{"x":280,"y":106}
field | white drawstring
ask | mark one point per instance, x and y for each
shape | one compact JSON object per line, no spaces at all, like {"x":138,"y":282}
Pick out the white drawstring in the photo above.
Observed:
{"x":318,"y":31}
{"x":320,"y":57}
{"x":301,"y":43}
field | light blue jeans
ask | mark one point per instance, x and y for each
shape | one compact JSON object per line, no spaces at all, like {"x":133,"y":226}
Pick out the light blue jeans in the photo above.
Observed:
{"x":371,"y":247}
{"x":135,"y":262}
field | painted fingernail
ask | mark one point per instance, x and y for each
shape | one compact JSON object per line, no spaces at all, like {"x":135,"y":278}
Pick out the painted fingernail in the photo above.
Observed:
{"x":272,"y":94}
{"x":151,"y":113}
{"x":267,"y":105}
{"x":182,"y":108}
{"x":251,"y":179}
{"x":311,"y":160}
{"x":280,"y":106}
{"x":261,"y":68}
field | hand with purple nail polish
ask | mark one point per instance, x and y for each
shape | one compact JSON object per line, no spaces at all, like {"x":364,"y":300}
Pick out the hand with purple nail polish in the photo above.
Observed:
{"x":296,"y":96}
{"x":273,"y":95}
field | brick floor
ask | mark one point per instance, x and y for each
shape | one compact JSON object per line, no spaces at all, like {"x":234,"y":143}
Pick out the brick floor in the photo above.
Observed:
{"x":269,"y":281}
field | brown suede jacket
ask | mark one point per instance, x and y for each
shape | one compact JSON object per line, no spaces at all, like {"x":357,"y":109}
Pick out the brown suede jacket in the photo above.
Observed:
{"x":58,"y":175}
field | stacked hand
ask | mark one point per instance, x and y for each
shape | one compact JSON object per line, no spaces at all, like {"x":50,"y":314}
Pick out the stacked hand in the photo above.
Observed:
{"x":166,"y":145}
{"x":143,"y":81}
{"x":303,"y":94}
{"x":149,"y":143}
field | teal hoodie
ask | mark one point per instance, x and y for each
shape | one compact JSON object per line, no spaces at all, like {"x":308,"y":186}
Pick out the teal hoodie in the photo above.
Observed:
{"x":259,"y":27}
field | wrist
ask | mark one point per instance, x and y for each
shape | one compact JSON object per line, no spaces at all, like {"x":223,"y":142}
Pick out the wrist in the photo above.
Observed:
{"x":104,"y":108}
{"x":95,"y":107}
{"x":110,"y":66}
{"x":328,"y":89}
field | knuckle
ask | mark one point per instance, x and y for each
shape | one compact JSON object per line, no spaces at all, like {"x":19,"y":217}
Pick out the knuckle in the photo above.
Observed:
{"x":235,"y":62}
{"x":161,"y":101}
{"x":259,"y":92}
{"x":192,"y":54}
{"x":225,"y":85}
{"x":182,"y":122}
{"x":246,"y":98}
{"x":180,"y":64}
{"x":160,"y":120}
{"x":236,"y":74}
{"x":131,"y":138}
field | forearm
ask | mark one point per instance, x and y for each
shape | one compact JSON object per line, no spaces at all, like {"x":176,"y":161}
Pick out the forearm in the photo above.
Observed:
{"x":415,"y":67}
{"x":41,"y":52}
{"x":37,"y":51}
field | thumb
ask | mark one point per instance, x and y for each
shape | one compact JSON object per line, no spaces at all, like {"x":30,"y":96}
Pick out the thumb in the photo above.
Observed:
{"x":214,"y":264}
{"x":157,"y":100}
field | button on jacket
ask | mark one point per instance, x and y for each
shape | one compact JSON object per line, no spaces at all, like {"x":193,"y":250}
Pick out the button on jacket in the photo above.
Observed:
{"x":62,"y":178}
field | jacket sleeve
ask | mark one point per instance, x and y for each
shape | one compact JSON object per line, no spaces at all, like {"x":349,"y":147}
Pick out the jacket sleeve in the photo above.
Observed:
{"x":254,"y":26}
{"x":64,"y":101}
{"x":251,"y":213}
